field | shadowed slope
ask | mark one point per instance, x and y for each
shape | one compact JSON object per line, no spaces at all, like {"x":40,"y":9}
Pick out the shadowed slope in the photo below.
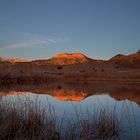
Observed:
{"x":119,"y":57}
{"x":128,"y":58}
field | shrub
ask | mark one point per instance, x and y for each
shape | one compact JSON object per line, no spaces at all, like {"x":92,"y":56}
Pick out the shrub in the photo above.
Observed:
{"x":102,"y":70}
{"x":59,"y":67}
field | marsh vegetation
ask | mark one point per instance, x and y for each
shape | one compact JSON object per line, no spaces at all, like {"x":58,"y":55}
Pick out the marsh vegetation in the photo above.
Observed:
{"x":23,"y":119}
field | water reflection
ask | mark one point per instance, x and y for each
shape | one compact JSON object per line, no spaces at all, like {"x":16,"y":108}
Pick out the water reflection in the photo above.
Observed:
{"x":74,"y":92}
{"x":84,"y":100}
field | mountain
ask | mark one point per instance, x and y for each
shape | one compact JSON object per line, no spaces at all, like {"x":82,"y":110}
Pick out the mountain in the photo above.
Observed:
{"x":75,"y":58}
{"x":71,"y":68}
{"x":12,"y":60}
{"x":126,"y":58}
{"x":64,"y":59}
{"x":119,"y":57}
{"x":135,"y":56}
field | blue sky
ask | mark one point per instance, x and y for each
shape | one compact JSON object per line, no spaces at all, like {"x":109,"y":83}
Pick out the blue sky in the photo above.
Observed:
{"x":36,"y":29}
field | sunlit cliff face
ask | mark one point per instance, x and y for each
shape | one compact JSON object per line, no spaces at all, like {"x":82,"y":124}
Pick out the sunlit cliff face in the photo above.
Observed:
{"x":65,"y":58}
{"x":70,"y":56}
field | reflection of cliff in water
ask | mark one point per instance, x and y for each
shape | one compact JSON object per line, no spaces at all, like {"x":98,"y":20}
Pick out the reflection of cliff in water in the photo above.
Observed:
{"x":74,"y":92}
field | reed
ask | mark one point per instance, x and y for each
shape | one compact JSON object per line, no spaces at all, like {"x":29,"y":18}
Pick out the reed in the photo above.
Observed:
{"x":28,"y":120}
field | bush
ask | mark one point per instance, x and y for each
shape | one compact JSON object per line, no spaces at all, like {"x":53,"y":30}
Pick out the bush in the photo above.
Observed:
{"x":59,"y":67}
{"x":102,"y":70}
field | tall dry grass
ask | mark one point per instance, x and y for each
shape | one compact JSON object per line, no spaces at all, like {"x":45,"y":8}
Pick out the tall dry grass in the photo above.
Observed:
{"x":27,"y":120}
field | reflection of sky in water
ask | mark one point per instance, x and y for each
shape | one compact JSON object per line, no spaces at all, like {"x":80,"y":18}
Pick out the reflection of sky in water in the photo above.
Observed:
{"x":129,"y":112}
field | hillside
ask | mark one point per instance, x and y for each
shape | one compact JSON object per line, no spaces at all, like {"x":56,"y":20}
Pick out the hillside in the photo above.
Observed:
{"x":71,"y":68}
{"x":75,"y":58}
{"x":126,"y":58}
{"x":12,"y":60}
{"x":64,"y":59}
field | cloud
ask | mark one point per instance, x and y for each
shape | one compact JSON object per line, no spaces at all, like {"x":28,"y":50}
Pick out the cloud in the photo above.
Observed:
{"x":32,"y":43}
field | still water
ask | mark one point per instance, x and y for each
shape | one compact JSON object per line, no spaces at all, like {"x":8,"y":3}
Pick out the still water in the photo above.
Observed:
{"x":83,"y":100}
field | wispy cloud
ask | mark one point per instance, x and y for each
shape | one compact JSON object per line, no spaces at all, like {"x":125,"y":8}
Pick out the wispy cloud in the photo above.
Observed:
{"x":32,"y":43}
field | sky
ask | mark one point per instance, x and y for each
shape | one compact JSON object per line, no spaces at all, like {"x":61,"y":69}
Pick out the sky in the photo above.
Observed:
{"x":40,"y":29}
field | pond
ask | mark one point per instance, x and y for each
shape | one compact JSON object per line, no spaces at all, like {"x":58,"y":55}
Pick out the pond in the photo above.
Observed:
{"x":71,"y":103}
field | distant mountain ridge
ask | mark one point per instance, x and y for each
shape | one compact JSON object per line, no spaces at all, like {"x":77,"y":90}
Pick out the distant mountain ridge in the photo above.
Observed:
{"x":127,"y":58}
{"x":71,"y":68}
{"x":75,"y":58}
{"x":65,"y":59}
{"x":12,"y":60}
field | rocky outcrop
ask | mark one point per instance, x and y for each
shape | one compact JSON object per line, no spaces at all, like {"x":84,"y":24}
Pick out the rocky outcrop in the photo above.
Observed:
{"x":64,"y":59}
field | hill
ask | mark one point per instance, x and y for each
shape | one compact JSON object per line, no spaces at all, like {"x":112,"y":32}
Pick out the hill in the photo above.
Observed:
{"x":12,"y":60}
{"x":126,"y":58}
{"x":74,"y":67}
{"x":64,"y":59}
